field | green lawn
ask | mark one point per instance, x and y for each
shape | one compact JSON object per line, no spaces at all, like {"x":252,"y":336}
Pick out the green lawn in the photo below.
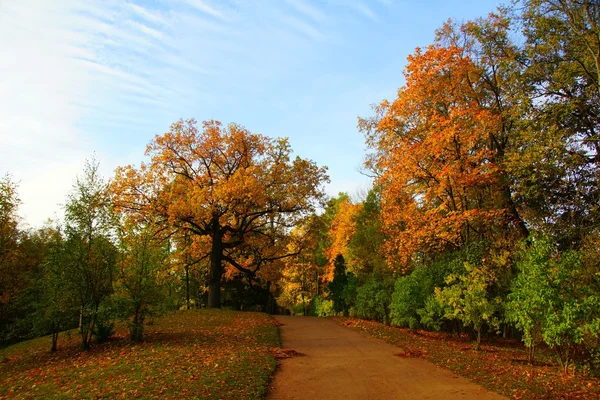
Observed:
{"x":208,"y":354}
{"x":500,"y":365}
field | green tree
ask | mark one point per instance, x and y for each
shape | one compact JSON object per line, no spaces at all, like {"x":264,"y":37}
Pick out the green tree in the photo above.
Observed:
{"x":338,"y":286}
{"x":528,"y":301}
{"x":365,"y":244}
{"x":411,"y":293}
{"x":467,"y":299}
{"x":555,"y":296}
{"x":373,"y":298}
{"x":141,"y":272}
{"x":55,"y":305}
{"x":91,"y":253}
{"x":556,"y":167}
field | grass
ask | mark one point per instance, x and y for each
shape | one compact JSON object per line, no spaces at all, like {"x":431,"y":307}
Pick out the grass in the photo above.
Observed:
{"x":499,"y":366}
{"x":207,"y":354}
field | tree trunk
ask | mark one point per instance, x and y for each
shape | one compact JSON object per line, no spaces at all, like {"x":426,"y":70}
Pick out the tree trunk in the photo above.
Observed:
{"x":478,"y":344}
{"x":514,"y":213}
{"x":187,"y":286}
{"x":137,"y":327}
{"x":303,"y":305}
{"x":216,"y":270}
{"x":87,"y":332}
{"x":54,"y":341}
{"x":530,"y":354}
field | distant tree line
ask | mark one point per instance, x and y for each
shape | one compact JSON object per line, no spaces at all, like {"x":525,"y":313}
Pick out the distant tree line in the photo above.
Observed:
{"x":205,"y":223}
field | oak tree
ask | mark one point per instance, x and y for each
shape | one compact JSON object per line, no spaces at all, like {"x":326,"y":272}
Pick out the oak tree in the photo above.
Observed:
{"x":232,"y":190}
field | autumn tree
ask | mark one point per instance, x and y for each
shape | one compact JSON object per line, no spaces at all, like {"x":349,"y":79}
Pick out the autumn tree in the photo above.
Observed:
{"x":227,"y":187}
{"x":440,"y":147}
{"x":300,"y":275}
{"x":343,"y":227}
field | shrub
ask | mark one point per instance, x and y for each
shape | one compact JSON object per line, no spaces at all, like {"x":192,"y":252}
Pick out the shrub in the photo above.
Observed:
{"x":373,"y":299}
{"x":322,"y":307}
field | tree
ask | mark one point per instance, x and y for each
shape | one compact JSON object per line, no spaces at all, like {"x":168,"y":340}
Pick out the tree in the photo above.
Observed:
{"x":412,"y":291}
{"x":20,"y":256}
{"x":91,"y":254}
{"x":10,"y":236}
{"x":342,"y":229}
{"x":374,"y":297}
{"x":337,"y":286}
{"x":442,"y":181}
{"x":365,"y":245}
{"x":466,"y":298}
{"x":555,"y":299}
{"x":141,"y":266}
{"x":232,"y":188}
{"x":9,"y":233}
{"x":559,"y":174}
{"x":55,"y":304}
{"x":300,"y":275}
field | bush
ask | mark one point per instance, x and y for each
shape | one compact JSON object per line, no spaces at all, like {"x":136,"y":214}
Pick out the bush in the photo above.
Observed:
{"x":373,"y":299}
{"x":407,"y":299}
{"x":467,"y":299}
{"x":556,"y":295}
{"x":322,"y":307}
{"x":105,"y":327}
{"x":413,"y":305}
{"x":432,"y":315}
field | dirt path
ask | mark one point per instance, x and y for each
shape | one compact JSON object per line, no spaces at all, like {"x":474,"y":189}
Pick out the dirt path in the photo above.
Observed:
{"x":341,"y":363}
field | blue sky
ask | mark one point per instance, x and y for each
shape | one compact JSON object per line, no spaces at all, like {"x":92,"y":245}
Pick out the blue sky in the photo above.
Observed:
{"x":80,"y":77}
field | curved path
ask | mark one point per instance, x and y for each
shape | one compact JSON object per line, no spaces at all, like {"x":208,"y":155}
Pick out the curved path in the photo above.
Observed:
{"x":341,"y":363}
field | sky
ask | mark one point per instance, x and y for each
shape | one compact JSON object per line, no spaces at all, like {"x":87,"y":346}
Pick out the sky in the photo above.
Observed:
{"x":80,"y":78}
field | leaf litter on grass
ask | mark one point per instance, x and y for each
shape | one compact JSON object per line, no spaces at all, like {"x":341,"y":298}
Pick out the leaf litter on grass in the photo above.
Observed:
{"x":212,"y":354}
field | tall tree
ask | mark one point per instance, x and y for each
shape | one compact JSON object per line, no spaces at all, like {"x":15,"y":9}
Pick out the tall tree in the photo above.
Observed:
{"x":56,"y":305}
{"x":560,"y":173}
{"x":442,"y":180}
{"x":343,"y":227}
{"x":9,"y":239}
{"x":91,"y":253}
{"x":228,"y":187}
{"x":20,"y":257}
{"x":365,"y":246}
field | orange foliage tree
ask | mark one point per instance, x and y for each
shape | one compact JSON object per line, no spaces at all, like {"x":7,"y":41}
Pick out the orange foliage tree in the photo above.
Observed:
{"x":235,"y":192}
{"x":300,"y":276}
{"x":443,"y":185}
{"x":343,"y":227}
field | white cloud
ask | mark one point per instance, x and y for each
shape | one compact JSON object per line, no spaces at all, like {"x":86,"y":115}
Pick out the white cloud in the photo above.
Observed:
{"x":307,"y":9}
{"x":303,"y":27}
{"x":202,"y":6}
{"x":79,"y":76}
{"x":148,"y":15}
{"x":364,"y":10}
